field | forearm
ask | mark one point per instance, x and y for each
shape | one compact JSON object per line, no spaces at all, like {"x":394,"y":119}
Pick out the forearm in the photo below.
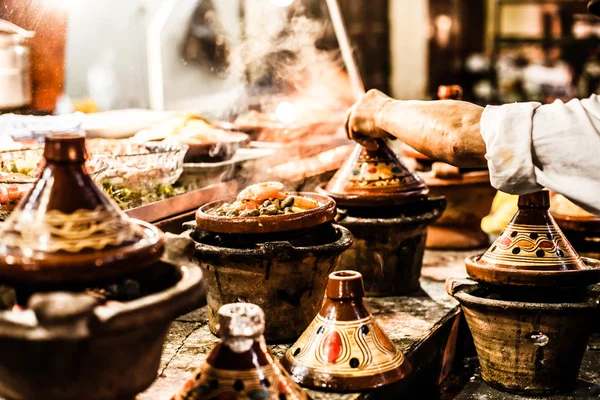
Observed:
{"x":443,"y":130}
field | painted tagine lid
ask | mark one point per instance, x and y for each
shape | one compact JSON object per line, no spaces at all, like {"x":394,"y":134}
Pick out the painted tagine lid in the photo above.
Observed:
{"x":67,"y":230}
{"x":241,"y":365}
{"x":533,"y":251}
{"x":344,"y":348}
{"x":375,"y":178}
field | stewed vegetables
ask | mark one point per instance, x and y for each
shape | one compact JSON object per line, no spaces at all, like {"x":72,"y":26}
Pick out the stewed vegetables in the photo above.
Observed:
{"x":265,"y":199}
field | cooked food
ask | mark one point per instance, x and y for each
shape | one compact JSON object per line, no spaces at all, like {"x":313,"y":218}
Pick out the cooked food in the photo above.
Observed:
{"x":265,"y":199}
{"x":187,"y":129}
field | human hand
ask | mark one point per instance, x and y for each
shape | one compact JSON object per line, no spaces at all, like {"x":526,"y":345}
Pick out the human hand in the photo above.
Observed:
{"x":362,"y":123}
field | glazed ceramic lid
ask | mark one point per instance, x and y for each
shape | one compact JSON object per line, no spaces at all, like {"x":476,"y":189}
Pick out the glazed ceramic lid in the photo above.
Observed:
{"x":533,"y":251}
{"x":375,"y":178}
{"x":241,"y":365}
{"x":344,"y":348}
{"x":66,"y":229}
{"x":207,"y":220}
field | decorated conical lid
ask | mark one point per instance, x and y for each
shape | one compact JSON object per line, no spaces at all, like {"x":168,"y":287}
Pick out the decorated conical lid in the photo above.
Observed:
{"x":344,"y":348}
{"x":375,"y":178}
{"x":66,"y":229}
{"x":532,"y":250}
{"x":241,"y":365}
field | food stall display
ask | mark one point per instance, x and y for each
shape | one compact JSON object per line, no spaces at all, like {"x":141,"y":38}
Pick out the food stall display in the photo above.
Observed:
{"x":241,"y":364}
{"x":284,"y":243}
{"x":387,"y":208}
{"x":530,"y":310}
{"x":78,"y":273}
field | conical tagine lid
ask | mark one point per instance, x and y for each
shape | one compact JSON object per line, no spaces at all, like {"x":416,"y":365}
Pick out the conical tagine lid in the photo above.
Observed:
{"x":532,"y":250}
{"x":241,"y":366}
{"x":375,"y":178}
{"x":66,"y":229}
{"x":344,"y":348}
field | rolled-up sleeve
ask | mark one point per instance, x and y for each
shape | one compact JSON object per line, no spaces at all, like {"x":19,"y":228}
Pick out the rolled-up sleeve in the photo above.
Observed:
{"x":557,"y":146}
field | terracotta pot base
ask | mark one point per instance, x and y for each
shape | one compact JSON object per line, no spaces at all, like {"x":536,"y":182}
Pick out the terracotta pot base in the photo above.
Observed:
{"x":389,"y":245}
{"x":286,"y":278}
{"x":526,"y":347}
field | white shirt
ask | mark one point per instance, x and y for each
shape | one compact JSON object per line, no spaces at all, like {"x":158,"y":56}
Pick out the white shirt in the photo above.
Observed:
{"x":557,"y":146}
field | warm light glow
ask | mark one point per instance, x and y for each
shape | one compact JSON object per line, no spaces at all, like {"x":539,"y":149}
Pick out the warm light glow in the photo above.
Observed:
{"x":282,"y":3}
{"x":285,"y":112}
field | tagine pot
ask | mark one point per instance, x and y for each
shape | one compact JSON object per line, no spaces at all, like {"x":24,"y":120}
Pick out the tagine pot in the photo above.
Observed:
{"x":241,"y":366}
{"x":344,"y":349}
{"x":280,"y":269}
{"x":66,"y":231}
{"x":532,"y":251}
{"x":387,"y":209}
{"x":389,"y":244}
{"x":65,"y":346}
{"x":530,"y":347}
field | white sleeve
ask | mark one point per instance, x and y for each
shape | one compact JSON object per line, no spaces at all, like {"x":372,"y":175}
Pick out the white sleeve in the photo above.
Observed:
{"x":531,"y":146}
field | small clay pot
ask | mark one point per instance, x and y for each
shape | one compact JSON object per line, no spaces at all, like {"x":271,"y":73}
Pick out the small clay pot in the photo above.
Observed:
{"x":344,"y":349}
{"x":469,"y":199}
{"x":286,"y":278}
{"x":388,"y":245}
{"x":526,"y":347}
{"x":241,"y":366}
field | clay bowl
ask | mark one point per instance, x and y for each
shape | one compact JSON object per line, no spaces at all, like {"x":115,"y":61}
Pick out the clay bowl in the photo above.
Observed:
{"x":66,"y":346}
{"x":283,"y":273}
{"x":583,"y":232}
{"x":222,"y":150}
{"x":389,"y":243}
{"x":526,"y":347}
{"x":207,"y":221}
{"x":494,"y":275}
{"x":469,"y":199}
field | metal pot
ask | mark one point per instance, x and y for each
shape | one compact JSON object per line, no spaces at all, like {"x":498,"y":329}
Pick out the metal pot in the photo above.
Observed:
{"x":15,"y":80}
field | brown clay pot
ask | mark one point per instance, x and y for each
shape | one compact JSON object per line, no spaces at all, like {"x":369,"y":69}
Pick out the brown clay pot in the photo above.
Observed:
{"x":241,"y":366}
{"x":67,"y":230}
{"x":469,"y":198}
{"x":283,"y":274}
{"x":66,"y":346}
{"x":344,"y":349}
{"x":528,"y":347}
{"x":388,"y":245}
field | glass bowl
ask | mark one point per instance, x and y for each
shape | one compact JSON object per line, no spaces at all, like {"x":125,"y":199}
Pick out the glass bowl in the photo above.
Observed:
{"x":140,"y":166}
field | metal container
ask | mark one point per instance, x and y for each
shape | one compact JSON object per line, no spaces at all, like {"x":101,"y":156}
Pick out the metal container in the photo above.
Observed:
{"x":15,"y":79}
{"x":529,"y":343}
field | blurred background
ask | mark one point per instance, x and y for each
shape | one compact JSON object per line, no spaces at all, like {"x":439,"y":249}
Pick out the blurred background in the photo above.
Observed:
{"x":94,"y":55}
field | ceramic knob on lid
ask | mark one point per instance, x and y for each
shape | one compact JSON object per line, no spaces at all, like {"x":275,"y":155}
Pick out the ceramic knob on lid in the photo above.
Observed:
{"x":344,"y":348}
{"x":532,"y":250}
{"x":241,"y":365}
{"x":67,"y":230}
{"x":375,"y":178}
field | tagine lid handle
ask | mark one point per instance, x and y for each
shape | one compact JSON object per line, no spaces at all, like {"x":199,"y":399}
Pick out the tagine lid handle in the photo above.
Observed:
{"x":240,"y":325}
{"x":344,"y":285}
{"x":533,"y":240}
{"x":65,"y":147}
